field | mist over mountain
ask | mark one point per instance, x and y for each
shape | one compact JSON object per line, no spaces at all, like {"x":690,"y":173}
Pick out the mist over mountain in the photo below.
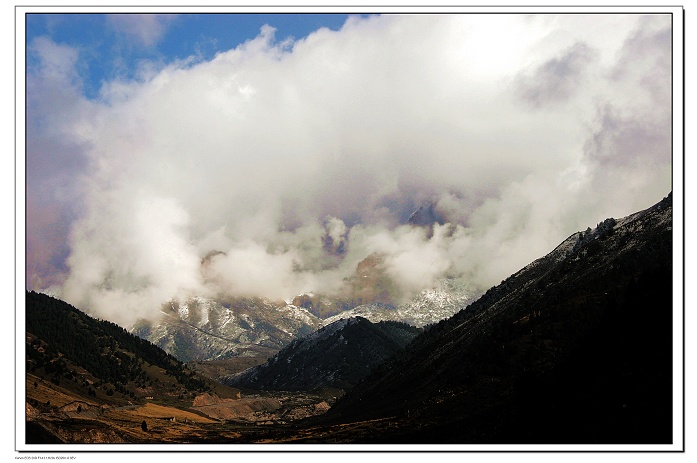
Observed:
{"x":446,"y":298}
{"x":287,"y":162}
{"x":360,"y":207}
{"x":223,"y":326}
{"x":575,"y":347}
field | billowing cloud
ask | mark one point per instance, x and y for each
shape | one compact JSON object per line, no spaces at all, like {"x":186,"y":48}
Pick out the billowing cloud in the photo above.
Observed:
{"x":558,"y":78}
{"x":275,"y":168}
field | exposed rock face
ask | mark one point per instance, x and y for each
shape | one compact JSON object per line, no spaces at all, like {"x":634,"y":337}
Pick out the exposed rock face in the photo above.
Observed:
{"x":447,"y":297}
{"x":201,"y":329}
{"x":371,"y":283}
{"x":370,"y":293}
{"x":207,"y":329}
{"x":320,"y":305}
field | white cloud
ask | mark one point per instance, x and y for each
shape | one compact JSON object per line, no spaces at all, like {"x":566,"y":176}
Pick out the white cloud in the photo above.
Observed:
{"x":143,"y":29}
{"x":266,"y":150}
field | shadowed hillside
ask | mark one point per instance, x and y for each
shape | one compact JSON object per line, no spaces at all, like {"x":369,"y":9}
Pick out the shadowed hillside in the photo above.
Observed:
{"x":336,"y":356}
{"x":62,"y":333}
{"x":574,"y":348}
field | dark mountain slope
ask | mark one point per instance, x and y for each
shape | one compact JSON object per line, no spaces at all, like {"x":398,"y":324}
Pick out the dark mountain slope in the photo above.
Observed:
{"x":574,"y":348}
{"x":99,"y":359}
{"x":336,"y":356}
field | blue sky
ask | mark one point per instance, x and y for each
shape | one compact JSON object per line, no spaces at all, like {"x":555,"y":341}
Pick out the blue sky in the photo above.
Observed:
{"x":112,"y":45}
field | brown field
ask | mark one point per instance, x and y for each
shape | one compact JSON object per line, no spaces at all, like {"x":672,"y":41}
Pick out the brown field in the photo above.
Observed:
{"x":59,"y":414}
{"x":151,"y":410}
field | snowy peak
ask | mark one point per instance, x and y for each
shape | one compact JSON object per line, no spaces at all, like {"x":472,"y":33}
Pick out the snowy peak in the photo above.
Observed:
{"x":201,"y":328}
{"x":447,"y":297}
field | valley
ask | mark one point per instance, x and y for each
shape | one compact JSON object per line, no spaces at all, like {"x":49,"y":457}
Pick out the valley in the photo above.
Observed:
{"x":57,"y":415}
{"x":574,"y":348}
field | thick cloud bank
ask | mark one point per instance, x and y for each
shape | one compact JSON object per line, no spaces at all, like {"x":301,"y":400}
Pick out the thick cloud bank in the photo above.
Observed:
{"x":275,"y":168}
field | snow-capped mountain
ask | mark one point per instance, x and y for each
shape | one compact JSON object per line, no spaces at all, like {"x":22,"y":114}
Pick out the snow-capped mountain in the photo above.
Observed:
{"x":205,"y":329}
{"x":202,"y":328}
{"x":447,"y":297}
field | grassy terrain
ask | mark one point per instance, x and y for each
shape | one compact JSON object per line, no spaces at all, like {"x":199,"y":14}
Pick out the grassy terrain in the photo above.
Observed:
{"x":65,"y":414}
{"x":215,"y":369}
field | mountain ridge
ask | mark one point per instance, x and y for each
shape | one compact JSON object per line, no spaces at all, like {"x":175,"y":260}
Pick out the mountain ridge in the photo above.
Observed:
{"x":593,"y":302}
{"x":217,"y":328}
{"x":98,"y":358}
{"x":575,"y":347}
{"x":336,"y":356}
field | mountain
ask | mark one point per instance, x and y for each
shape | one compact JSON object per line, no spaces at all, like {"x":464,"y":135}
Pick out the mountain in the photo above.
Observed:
{"x":577,"y":347}
{"x":207,"y":329}
{"x":336,"y":356}
{"x":62,"y":340}
{"x":426,"y":217}
{"x":369,"y":284}
{"x":447,"y":297}
{"x":81,"y":367}
{"x":370,"y":293}
{"x":574,"y":348}
{"x":90,"y":381}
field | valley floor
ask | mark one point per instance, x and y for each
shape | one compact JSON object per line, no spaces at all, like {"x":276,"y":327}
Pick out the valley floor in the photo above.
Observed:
{"x":56,"y":415}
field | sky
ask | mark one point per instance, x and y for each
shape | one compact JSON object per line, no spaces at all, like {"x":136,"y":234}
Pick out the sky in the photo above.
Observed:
{"x":294,"y":146}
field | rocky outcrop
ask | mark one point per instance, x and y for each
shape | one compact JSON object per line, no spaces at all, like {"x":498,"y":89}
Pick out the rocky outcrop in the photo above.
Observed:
{"x":201,"y":328}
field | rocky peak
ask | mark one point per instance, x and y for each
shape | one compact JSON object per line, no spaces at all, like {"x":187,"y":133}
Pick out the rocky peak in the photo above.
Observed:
{"x":426,"y":216}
